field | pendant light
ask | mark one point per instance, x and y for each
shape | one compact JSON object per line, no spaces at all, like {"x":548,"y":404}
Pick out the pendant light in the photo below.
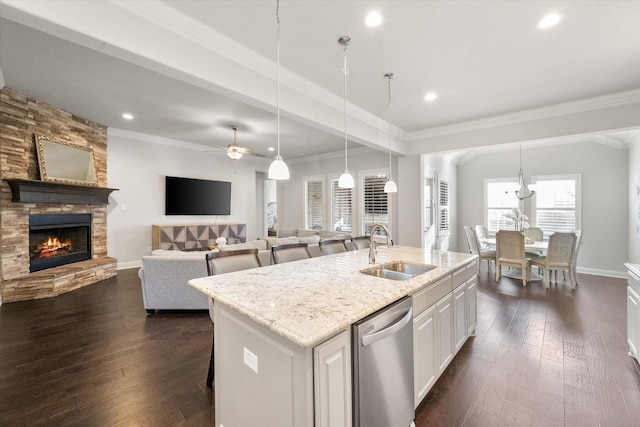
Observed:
{"x":390,"y":186}
{"x":346,"y":180}
{"x":523,"y":192}
{"x":278,"y":168}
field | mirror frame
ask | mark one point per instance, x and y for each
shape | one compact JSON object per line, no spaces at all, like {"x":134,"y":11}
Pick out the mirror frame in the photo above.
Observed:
{"x":41,"y":140}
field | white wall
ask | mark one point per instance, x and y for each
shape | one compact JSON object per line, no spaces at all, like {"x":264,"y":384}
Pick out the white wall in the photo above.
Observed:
{"x":634,"y":202}
{"x":605,"y":186}
{"x":137,"y":168}
{"x":409,"y":202}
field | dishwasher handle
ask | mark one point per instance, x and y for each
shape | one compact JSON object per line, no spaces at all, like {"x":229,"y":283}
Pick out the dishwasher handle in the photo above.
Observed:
{"x":389,"y":330}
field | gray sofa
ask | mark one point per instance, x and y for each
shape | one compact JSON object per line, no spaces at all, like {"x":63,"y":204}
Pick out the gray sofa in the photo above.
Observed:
{"x":165,"y":273}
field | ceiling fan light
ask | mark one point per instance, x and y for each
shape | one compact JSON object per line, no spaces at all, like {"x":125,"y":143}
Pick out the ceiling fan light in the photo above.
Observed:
{"x":235,"y":155}
{"x":346,"y":180}
{"x":278,"y":169}
{"x":390,"y":187}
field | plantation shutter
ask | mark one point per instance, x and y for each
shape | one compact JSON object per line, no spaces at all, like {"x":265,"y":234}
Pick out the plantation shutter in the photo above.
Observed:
{"x":341,"y":208}
{"x":314,"y":204}
{"x":443,"y":201}
{"x":375,"y":202}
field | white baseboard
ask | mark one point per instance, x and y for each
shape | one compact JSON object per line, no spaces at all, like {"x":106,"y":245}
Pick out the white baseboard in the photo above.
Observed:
{"x":606,"y":273}
{"x":130,"y":264}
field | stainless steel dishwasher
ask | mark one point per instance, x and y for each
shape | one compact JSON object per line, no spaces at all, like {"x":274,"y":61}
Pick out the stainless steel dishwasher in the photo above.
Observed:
{"x":383,"y":367}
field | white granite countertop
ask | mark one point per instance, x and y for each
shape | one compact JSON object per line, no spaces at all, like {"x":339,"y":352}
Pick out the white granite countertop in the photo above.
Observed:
{"x":312,"y":300}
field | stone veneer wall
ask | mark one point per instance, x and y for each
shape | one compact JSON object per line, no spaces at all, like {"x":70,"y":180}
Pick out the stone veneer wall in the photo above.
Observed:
{"x":21,"y":117}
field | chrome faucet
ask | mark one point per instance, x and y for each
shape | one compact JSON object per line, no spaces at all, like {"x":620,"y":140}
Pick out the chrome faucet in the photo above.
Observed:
{"x":373,"y":245}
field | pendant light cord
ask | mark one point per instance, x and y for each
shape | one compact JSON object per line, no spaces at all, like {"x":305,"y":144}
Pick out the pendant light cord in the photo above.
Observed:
{"x":345,"y":70}
{"x":278,"y":75}
{"x":389,"y":77}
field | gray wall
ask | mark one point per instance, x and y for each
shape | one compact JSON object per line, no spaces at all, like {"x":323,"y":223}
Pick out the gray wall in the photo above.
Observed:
{"x":634,"y":202}
{"x":605,"y":186}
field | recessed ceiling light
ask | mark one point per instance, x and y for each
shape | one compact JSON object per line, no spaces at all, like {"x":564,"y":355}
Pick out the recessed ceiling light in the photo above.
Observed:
{"x":373,"y":19}
{"x":431,"y":96}
{"x":127,"y":116}
{"x":549,"y":21}
{"x":271,"y":149}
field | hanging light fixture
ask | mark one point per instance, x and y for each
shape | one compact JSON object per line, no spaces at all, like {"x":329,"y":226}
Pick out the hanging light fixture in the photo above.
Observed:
{"x":390,"y":186}
{"x":523,"y":191}
{"x":346,"y":180}
{"x":278,"y":168}
{"x":233,"y":150}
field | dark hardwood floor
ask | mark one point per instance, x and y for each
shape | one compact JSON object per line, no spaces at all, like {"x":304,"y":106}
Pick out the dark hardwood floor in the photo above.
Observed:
{"x":93,"y":357}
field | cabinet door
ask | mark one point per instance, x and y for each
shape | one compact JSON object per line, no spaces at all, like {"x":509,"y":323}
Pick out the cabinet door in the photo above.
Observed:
{"x":459,"y":317}
{"x":633,"y":318}
{"x":332,"y":382}
{"x":444,"y":332}
{"x":425,"y":369}
{"x":471,"y":296}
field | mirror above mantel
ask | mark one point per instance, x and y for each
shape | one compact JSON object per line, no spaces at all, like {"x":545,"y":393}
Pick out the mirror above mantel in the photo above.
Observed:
{"x":65,"y":163}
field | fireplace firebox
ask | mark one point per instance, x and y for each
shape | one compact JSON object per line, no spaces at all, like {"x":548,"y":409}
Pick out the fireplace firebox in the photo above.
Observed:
{"x":58,"y":239}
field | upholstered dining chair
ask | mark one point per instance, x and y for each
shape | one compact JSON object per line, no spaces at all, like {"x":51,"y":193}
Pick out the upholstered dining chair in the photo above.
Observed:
{"x":330,"y":247}
{"x":559,"y":256}
{"x":290,"y":252}
{"x":227,"y":262}
{"x":510,"y":253}
{"x":361,"y":242}
{"x":482,"y":233}
{"x":488,"y":255}
{"x":534,"y":233}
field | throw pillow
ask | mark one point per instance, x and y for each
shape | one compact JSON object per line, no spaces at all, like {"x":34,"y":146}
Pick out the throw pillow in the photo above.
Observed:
{"x":260,"y":245}
{"x":287,"y":232}
{"x":309,"y":239}
{"x":273,"y":241}
{"x":306,"y":233}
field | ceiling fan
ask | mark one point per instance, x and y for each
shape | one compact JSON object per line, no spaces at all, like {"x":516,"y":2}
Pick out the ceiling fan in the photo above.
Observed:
{"x":233,"y":150}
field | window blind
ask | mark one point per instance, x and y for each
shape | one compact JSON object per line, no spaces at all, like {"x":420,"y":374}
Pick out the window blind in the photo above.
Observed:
{"x":443,"y":198}
{"x":341,"y":207}
{"x":314,"y":204}
{"x":500,"y":200}
{"x":556,"y":205}
{"x":375,"y":202}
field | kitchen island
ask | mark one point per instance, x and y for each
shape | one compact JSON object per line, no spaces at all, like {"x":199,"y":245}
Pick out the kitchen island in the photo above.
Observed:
{"x":282,"y":332}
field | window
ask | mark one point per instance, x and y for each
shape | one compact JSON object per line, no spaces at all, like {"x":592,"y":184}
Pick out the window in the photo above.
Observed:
{"x":557,"y":203}
{"x":500,"y":199}
{"x":314,"y":202}
{"x":341,"y":207}
{"x":374,"y":201}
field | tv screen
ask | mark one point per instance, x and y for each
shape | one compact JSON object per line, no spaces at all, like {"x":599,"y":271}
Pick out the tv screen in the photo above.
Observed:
{"x":188,"y":196}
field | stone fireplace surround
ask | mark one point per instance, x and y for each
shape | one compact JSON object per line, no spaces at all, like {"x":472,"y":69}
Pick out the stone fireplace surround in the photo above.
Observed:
{"x":21,"y":117}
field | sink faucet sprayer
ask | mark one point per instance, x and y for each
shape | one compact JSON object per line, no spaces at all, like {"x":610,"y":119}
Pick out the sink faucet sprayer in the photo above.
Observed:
{"x":373,"y":244}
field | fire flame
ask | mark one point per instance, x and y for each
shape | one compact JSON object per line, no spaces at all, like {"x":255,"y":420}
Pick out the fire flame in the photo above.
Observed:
{"x":53,"y":246}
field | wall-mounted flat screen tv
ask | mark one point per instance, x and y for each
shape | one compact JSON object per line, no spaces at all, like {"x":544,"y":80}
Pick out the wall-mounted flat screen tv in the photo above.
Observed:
{"x":188,"y":196}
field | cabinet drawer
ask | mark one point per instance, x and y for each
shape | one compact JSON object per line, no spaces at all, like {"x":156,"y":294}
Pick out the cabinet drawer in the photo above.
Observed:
{"x":463,"y":274}
{"x":434,"y":293}
{"x":634,"y":282}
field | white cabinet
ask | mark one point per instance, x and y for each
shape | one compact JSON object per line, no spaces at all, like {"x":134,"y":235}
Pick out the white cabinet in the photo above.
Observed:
{"x":444,"y":332}
{"x":460,"y":329}
{"x":332,"y":382}
{"x":444,"y":318}
{"x":633,"y":312}
{"x":471,"y":295}
{"x":425,"y":368}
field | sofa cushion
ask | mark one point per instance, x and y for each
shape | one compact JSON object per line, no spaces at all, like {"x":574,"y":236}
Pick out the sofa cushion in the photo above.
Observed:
{"x":260,"y":245}
{"x":306,"y":233}
{"x":287,"y":232}
{"x":181,"y":254}
{"x":309,"y":239}
{"x":334,"y":235}
{"x":273,"y":241}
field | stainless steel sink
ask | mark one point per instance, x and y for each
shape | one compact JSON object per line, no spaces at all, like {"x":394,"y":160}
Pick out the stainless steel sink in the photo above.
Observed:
{"x":397,"y":270}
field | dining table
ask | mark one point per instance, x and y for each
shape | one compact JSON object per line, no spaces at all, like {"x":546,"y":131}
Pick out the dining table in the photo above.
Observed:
{"x":531,"y":247}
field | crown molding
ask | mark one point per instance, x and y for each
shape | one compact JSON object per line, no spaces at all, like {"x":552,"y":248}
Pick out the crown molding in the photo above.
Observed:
{"x":557,"y":110}
{"x":332,"y":155}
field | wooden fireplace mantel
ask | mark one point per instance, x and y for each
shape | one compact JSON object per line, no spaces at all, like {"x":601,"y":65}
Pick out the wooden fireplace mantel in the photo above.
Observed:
{"x":31,"y":191}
